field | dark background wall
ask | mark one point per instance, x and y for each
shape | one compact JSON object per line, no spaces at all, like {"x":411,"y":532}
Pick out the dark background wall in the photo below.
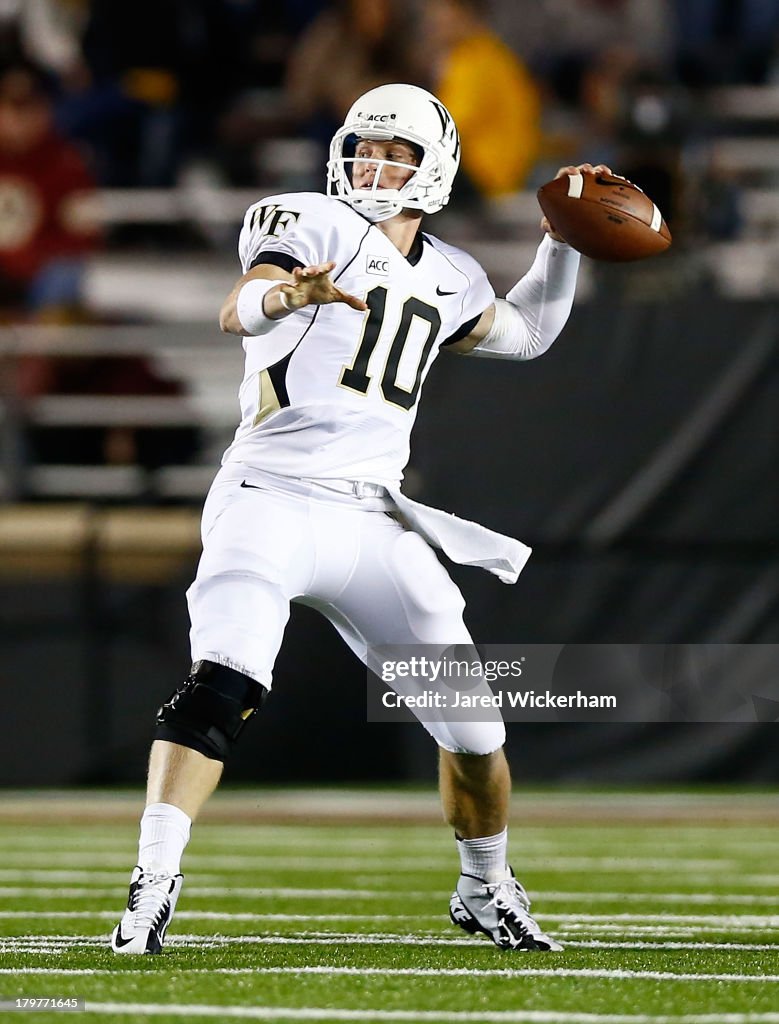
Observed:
{"x":638,"y":457}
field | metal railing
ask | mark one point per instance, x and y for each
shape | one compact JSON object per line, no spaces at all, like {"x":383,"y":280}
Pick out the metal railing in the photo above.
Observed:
{"x":207,"y":366}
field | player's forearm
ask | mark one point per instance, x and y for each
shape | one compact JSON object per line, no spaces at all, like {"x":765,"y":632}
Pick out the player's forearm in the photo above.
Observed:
{"x":267,"y":294}
{"x":254,"y":306}
{"x":536,"y":309}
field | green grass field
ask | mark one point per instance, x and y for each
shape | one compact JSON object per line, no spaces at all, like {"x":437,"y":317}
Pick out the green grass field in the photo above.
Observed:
{"x":334,"y":911}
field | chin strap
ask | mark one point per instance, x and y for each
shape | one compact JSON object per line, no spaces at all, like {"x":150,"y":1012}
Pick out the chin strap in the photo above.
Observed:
{"x":375,"y":210}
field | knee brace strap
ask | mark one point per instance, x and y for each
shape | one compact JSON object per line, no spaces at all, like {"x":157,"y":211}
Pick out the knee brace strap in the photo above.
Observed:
{"x":209,"y":712}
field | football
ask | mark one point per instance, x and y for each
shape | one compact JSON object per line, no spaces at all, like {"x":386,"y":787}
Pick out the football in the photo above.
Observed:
{"x":604,"y":216}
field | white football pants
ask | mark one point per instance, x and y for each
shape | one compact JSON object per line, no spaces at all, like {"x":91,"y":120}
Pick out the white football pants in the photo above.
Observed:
{"x":376,"y":581}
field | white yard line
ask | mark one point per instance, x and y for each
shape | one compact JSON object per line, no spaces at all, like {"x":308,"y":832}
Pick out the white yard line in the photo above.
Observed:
{"x":423,"y":972}
{"x":253,"y":892}
{"x":720,"y":922}
{"x":282,"y":940}
{"x":655,"y":897}
{"x":60,"y":943}
{"x":102,"y":871}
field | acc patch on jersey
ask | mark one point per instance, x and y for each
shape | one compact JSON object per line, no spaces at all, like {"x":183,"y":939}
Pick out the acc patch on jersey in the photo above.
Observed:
{"x":377,"y":265}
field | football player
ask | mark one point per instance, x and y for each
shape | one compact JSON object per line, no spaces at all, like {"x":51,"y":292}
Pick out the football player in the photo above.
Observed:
{"x":343,"y":305}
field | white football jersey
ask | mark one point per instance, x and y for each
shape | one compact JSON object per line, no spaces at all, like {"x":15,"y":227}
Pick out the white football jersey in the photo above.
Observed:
{"x":332,"y":392}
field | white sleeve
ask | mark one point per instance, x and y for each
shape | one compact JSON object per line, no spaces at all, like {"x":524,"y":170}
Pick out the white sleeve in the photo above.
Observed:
{"x":536,"y":309}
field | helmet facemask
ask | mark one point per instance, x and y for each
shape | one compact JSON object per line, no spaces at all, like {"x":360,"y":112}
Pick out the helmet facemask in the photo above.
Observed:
{"x":377,"y":202}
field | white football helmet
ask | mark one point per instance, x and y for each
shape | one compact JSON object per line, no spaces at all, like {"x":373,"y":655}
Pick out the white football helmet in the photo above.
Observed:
{"x":397,"y":112}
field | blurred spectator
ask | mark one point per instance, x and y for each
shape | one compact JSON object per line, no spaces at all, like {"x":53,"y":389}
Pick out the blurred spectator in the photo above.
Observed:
{"x":652,"y":128}
{"x":561,"y":38}
{"x":46,"y":232}
{"x":602,"y":88}
{"x":165,"y":73}
{"x":489,"y":92}
{"x":723,"y":42}
{"x":345,"y":51}
{"x":250,"y":73}
{"x":129,"y":110}
{"x":47,"y":32}
{"x":638,"y":120}
{"x":263,"y":35}
{"x":45,"y":203}
{"x":717,"y":204}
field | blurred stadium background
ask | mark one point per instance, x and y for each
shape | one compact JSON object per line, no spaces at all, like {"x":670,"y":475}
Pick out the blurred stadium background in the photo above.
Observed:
{"x":639,"y":457}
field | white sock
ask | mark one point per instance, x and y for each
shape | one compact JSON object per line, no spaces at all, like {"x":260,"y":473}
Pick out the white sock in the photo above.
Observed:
{"x":485,"y":857}
{"x":164,"y":834}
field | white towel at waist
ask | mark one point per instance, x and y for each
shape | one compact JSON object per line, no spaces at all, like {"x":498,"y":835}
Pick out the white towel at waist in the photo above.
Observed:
{"x":464,"y":542}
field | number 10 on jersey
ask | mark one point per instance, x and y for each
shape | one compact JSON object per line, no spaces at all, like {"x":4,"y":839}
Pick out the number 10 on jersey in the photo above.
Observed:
{"x":356,"y":378}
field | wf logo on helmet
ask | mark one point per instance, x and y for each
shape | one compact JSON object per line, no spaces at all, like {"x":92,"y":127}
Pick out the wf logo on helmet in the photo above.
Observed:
{"x":449,"y":131}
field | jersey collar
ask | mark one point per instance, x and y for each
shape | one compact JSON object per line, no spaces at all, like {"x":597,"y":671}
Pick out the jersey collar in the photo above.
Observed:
{"x":417,"y":248}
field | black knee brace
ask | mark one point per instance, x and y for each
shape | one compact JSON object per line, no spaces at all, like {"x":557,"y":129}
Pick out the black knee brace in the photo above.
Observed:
{"x":209,"y":712}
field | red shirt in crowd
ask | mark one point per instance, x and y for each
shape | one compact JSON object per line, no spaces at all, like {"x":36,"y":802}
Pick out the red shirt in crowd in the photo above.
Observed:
{"x":46,"y":207}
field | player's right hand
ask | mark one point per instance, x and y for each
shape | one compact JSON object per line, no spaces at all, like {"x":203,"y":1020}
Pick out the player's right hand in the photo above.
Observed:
{"x":571,"y":169}
{"x":312,"y":286}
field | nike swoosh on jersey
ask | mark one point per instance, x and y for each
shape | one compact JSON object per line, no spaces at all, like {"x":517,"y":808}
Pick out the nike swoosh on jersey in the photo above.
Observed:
{"x":439,"y":292}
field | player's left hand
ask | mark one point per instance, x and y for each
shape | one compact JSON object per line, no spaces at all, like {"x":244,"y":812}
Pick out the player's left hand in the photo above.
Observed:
{"x":572,"y":169}
{"x":313,"y":287}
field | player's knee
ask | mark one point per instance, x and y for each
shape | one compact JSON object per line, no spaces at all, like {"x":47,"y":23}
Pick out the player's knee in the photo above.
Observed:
{"x":480,"y":738}
{"x":209,"y":712}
